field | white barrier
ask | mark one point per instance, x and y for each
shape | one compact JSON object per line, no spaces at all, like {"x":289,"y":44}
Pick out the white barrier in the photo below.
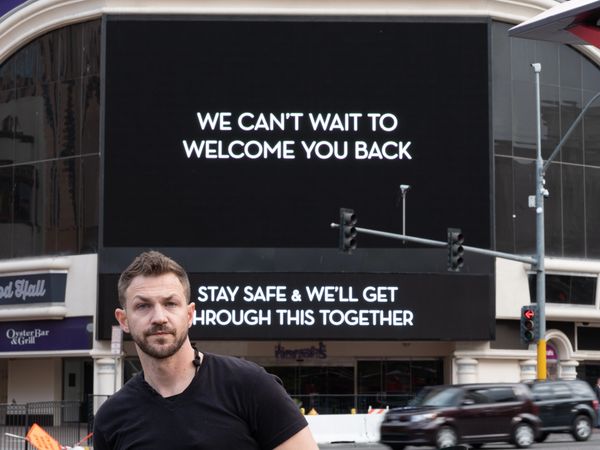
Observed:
{"x":331,"y":428}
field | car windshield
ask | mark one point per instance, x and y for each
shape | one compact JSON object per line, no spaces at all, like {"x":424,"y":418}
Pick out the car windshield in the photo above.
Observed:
{"x":442,"y":396}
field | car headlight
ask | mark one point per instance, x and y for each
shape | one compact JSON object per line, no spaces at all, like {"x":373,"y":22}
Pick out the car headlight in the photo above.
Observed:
{"x":421,"y":417}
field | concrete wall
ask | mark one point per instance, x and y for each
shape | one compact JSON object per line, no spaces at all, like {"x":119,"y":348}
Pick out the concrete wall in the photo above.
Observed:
{"x":34,"y":380}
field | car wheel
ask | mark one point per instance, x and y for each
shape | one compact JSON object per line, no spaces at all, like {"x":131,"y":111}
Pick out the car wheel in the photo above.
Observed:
{"x":396,"y":446}
{"x":446,"y":437}
{"x":542,"y":437}
{"x":477,"y":445}
{"x":523,"y":435}
{"x":582,"y":428}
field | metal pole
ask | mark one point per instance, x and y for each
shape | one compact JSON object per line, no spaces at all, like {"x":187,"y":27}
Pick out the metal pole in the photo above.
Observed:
{"x":482,"y":251}
{"x":404,"y":213}
{"x":540,"y":190}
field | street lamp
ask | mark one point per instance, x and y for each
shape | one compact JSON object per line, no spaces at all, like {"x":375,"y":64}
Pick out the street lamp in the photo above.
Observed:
{"x":404,"y":188}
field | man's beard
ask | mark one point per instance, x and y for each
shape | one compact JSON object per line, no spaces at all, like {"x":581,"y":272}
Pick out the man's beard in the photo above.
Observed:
{"x":158,"y":351}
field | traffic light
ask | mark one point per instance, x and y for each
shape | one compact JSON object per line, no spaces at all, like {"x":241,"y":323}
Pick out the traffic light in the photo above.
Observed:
{"x":530,"y":324}
{"x":347,"y":230}
{"x":455,"y":249}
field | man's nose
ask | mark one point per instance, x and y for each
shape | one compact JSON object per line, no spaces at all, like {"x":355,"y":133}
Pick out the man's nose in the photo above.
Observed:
{"x":158,"y":315}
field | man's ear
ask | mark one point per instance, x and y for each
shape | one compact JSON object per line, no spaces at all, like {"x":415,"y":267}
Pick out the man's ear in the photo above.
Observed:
{"x":121,"y":317}
{"x":191,"y":308}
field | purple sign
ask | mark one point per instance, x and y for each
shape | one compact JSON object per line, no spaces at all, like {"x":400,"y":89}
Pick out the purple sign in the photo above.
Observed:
{"x":72,"y":333}
{"x":38,"y":288}
{"x":7,"y":5}
{"x":551,"y":353}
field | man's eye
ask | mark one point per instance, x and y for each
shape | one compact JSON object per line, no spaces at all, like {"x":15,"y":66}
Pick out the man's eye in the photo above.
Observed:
{"x":141,"y":306}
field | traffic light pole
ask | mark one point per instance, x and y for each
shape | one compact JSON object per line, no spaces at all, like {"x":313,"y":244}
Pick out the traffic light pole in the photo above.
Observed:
{"x":418,"y":240}
{"x":540,"y":190}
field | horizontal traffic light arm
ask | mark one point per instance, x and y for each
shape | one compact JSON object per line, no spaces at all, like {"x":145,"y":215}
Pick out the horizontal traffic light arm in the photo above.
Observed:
{"x":467,"y":248}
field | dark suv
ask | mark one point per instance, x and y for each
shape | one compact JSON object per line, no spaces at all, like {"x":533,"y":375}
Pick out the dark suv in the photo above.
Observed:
{"x":445,"y":416}
{"x":565,"y":407}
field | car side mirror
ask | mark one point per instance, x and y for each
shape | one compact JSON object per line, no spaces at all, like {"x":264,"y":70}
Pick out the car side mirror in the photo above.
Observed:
{"x":467,"y":402}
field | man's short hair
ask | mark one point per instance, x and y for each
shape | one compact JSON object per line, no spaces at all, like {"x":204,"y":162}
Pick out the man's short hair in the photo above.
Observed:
{"x":152,"y":264}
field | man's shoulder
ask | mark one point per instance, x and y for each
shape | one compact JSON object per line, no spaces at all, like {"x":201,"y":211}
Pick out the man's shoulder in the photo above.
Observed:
{"x":232,"y":363}
{"x":123,"y":398}
{"x":235,"y":370}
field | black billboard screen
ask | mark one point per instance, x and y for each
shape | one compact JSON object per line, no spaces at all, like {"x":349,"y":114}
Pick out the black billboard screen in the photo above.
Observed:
{"x":305,"y":306}
{"x":231,"y":144}
{"x":253,"y":133}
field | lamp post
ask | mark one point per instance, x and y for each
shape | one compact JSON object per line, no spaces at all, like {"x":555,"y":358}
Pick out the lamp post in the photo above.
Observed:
{"x":540,"y":191}
{"x":404,"y":188}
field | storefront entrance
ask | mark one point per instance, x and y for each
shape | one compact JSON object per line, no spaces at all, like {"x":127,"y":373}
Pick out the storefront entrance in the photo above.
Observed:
{"x":371,"y":383}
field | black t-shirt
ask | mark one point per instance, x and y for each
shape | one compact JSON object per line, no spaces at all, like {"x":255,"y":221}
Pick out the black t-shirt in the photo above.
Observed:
{"x":230,"y":404}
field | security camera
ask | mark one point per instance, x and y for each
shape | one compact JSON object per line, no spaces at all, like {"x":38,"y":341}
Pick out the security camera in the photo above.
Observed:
{"x":404,"y":188}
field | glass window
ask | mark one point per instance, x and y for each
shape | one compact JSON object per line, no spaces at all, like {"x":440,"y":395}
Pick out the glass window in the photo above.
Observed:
{"x":541,"y":391}
{"x":68,"y":205}
{"x":49,"y":110}
{"x":90,"y":116}
{"x":69,"y":118}
{"x":524,"y":122}
{"x":8,"y":74}
{"x":570,"y":108}
{"x":6,"y":211}
{"x":24,"y":212}
{"x":568,"y":81}
{"x":501,"y":88}
{"x":588,"y":338}
{"x":546,"y":53}
{"x":28,"y":132}
{"x":443,"y":396}
{"x":549,"y":107}
{"x":326,"y":389}
{"x":91,"y":48}
{"x":570,"y":67}
{"x":524,"y":174}
{"x":89,"y":203}
{"x":521,"y":57}
{"x":501,"y":394}
{"x":553,"y":211}
{"x":566,"y":289}
{"x":394,"y":383}
{"x":478,"y":396}
{"x":592,"y":212}
{"x":591,"y":126}
{"x":26,"y":65}
{"x":573,"y":208}
{"x":70,"y":47}
{"x":561,"y":391}
{"x":505,"y":239}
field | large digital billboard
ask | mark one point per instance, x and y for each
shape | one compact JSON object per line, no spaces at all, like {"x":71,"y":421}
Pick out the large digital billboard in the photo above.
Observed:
{"x":233,"y":142}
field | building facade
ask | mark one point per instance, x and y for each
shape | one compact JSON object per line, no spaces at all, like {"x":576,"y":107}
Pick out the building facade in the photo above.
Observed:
{"x":228,"y":136}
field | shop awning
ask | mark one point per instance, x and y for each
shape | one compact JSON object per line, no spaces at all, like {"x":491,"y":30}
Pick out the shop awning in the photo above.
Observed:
{"x":571,"y":22}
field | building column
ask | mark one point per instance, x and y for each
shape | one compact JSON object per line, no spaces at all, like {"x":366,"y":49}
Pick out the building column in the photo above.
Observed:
{"x":568,"y":369}
{"x":104,"y":385}
{"x":528,"y":370}
{"x":466,"y":370}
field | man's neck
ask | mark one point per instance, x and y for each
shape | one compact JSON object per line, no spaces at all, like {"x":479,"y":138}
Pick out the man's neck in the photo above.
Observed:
{"x":170,"y":376}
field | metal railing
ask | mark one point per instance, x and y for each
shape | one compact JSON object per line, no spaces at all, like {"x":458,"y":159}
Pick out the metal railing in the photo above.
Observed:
{"x":65,"y":421}
{"x":349,"y":403}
